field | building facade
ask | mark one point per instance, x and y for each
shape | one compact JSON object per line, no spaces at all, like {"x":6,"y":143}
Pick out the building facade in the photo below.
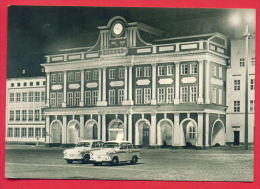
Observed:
{"x":25,"y":121}
{"x":236,"y":92}
{"x":133,"y":84}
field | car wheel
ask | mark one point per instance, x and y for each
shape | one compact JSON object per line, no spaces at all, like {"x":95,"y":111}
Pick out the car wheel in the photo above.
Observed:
{"x":86,"y":158}
{"x":134,"y":160}
{"x":69,"y":161}
{"x":115,"y":161}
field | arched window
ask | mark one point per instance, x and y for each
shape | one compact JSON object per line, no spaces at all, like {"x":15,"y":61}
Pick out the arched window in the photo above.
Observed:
{"x":191,"y":130}
{"x":95,"y":131}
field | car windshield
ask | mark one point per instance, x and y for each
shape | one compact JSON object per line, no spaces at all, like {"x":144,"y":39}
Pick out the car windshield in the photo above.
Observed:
{"x":111,"y":145}
{"x":81,"y":144}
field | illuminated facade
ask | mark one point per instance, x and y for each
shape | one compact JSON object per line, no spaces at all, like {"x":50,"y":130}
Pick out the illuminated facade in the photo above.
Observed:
{"x":133,"y":84}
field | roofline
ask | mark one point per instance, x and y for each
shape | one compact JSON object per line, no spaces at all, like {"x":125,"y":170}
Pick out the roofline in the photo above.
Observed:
{"x":76,"y":48}
{"x":190,"y":36}
{"x":27,"y":77}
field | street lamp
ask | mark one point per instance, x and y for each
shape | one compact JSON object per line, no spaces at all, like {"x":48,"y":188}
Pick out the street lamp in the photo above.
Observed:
{"x":236,"y":20}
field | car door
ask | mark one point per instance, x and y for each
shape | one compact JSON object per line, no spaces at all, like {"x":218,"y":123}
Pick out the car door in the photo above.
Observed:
{"x":129,"y":151}
{"x":122,"y":153}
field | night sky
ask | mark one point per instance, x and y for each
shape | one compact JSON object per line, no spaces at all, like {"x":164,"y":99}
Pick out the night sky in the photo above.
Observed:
{"x":37,"y":31}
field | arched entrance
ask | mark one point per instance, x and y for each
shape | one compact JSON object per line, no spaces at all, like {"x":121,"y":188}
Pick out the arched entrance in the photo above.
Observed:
{"x":116,"y":130}
{"x":73,"y":132}
{"x":218,"y":133}
{"x":55,"y":132}
{"x":90,"y":130}
{"x":189,"y":128}
{"x":165,"y":132}
{"x":142,"y":133}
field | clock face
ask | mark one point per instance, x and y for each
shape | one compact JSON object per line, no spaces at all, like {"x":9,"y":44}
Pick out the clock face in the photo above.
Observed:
{"x":118,"y":28}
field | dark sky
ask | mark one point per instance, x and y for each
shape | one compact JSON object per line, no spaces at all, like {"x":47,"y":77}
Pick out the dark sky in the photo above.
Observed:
{"x":36,"y":31}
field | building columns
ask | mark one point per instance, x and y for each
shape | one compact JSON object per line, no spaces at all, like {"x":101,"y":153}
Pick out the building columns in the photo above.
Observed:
{"x":130,"y":128}
{"x":99,"y":127}
{"x":81,"y":127}
{"x":64,"y":103}
{"x":47,"y":119}
{"x":207,"y":130}
{"x":82,"y":88}
{"x":103,"y":127}
{"x":125,"y":127}
{"x":201,"y":74}
{"x":153,"y":130}
{"x":104,"y":98}
{"x":177,"y":83}
{"x":64,"y":130}
{"x":99,"y":85}
{"x":176,"y":130}
{"x":207,"y":99}
{"x":47,"y":89}
{"x":200,"y":130}
{"x":153,"y":101}
{"x":128,"y":87}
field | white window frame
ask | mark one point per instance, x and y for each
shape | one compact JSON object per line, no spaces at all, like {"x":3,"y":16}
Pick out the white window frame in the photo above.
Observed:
{"x":252,"y":84}
{"x":30,"y":132}
{"x":23,"y":132}
{"x":37,"y":96}
{"x":214,"y":95}
{"x":170,"y":95}
{"x":43,"y":96}
{"x":24,"y":115}
{"x":88,"y":75}
{"x":53,"y":78}
{"x":121,"y":96}
{"x":236,"y":106}
{"x":237,"y":85}
{"x":94,"y":97}
{"x":95,"y":74}
{"x":193,"y":68}
{"x":88,"y":98}
{"x":70,"y":99}
{"x":70,"y":77}
{"x":138,"y":96}
{"x":53,"y":102}
{"x":214,"y":70}
{"x":121,"y":73}
{"x":17,"y":115}
{"x":112,"y":74}
{"x":139,"y":72}
{"x":11,"y":97}
{"x":170,"y":70}
{"x":76,"y":98}
{"x":59,"y":99}
{"x":11,"y":115}
{"x":147,"y":95}
{"x":77,"y":76}
{"x":112,"y":97}
{"x":60,"y":77}
{"x":18,"y":97}
{"x":252,"y":105}
{"x":147,"y":71}
{"x":184,"y":94}
{"x":31,"y":96}
{"x":37,"y":115}
{"x":10,"y":132}
{"x":220,"y":99}
{"x":184,"y":69}
{"x":242,"y":62}
{"x":193,"y":94}
{"x":161,"y":95}
{"x":17,"y":132}
{"x":37,"y":132}
{"x":30,"y":115}
{"x":161,"y":70}
{"x":220,"y":72}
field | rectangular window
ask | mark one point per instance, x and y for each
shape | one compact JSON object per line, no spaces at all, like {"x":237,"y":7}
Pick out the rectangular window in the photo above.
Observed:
{"x":220,"y":72}
{"x":17,"y":115}
{"x":53,"y":78}
{"x":37,"y":132}
{"x":37,"y":115}
{"x":112,"y":74}
{"x":70,"y":77}
{"x":112,"y":97}
{"x":43,"y":96}
{"x":121,"y":73}
{"x":59,"y":99}
{"x":161,"y":95}
{"x":60,"y":77}
{"x":88,"y":98}
{"x":252,"y":105}
{"x":23,"y":132}
{"x":95,"y":75}
{"x":43,"y":116}
{"x":170,"y":95}
{"x":253,"y":61}
{"x":139,"y":72}
{"x":184,"y":94}
{"x":24,"y":115}
{"x":193,"y":94}
{"x":30,"y":115}
{"x":10,"y":132}
{"x":170,"y":70}
{"x":94,"y":97}
{"x":24,"y":97}
{"x":214,"y":70}
{"x":16,"y":132}
{"x":11,"y":97}
{"x":193,"y":68}
{"x":120,"y":96}
{"x":236,"y":85}
{"x":43,"y":132}
{"x":30,"y":97}
{"x":147,"y":95}
{"x":37,"y":83}
{"x":70,"y":98}
{"x":76,"y":98}
{"x":12,"y":84}
{"x":147,"y":71}
{"x":53,"y":99}
{"x":31,"y":83}
{"x":214,"y":95}
{"x":242,"y":62}
{"x":77,"y":76}
{"x":87,"y":75}
{"x":37,"y":96}
{"x":161,"y":70}
{"x":30,"y":132}
{"x":11,"y":118}
{"x":24,"y":84}
{"x":138,"y":96}
{"x":220,"y":96}
{"x":236,"y":106}
{"x":252,"y":84}
{"x":184,"y":69}
{"x":18,"y":97}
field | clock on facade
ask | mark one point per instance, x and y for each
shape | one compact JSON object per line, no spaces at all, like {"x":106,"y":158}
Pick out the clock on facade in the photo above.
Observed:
{"x":118,"y":29}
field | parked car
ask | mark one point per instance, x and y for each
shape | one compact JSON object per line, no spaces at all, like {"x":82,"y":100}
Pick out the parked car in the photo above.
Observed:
{"x":82,"y":150}
{"x":115,"y":152}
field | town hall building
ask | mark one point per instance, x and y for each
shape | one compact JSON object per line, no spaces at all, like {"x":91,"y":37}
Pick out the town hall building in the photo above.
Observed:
{"x":134,"y":84}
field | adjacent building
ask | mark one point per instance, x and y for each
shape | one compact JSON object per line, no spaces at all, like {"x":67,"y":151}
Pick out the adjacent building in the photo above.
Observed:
{"x":236,"y":88}
{"x":25,"y":121}
{"x":136,"y":85}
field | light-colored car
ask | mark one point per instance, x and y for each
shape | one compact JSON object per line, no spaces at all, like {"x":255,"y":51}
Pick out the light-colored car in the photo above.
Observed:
{"x":82,"y":150}
{"x":115,"y":152}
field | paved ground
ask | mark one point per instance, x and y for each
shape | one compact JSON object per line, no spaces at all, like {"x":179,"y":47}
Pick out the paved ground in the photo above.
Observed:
{"x":219,"y":164}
